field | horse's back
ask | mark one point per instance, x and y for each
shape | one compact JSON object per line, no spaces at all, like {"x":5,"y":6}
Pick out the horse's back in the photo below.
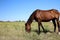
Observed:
{"x":46,"y":14}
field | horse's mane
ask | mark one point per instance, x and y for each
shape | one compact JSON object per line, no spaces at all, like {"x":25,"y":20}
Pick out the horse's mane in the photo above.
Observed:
{"x":32,"y":16}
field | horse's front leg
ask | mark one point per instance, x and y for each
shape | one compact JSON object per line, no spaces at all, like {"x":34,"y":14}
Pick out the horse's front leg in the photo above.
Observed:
{"x":38,"y":27}
{"x":42,"y":27}
{"x":54,"y":25}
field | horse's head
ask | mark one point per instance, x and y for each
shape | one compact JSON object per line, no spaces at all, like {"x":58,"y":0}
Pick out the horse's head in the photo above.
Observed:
{"x":27,"y":27}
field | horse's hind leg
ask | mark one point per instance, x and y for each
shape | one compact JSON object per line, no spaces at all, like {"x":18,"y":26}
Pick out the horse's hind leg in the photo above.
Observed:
{"x":54,"y":25}
{"x":58,"y":26}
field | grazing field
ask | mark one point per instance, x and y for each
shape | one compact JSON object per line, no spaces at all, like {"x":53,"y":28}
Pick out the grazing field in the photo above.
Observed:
{"x":16,"y":31}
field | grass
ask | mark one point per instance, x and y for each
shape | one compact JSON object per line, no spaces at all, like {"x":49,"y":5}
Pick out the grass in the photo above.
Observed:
{"x":16,"y":31}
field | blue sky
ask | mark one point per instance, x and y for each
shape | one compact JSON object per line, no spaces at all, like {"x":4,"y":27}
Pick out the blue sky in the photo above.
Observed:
{"x":21,"y":9}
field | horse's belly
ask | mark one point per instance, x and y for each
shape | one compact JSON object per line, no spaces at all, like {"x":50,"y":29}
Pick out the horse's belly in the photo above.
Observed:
{"x":45,"y":20}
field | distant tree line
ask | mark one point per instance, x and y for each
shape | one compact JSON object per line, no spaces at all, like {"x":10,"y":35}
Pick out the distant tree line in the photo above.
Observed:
{"x":13,"y":21}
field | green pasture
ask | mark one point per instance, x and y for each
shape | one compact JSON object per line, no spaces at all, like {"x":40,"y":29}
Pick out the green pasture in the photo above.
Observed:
{"x":16,"y":31}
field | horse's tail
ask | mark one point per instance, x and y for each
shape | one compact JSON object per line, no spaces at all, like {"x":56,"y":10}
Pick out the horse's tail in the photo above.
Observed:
{"x":59,"y":16}
{"x":59,"y":24}
{"x":59,"y":13}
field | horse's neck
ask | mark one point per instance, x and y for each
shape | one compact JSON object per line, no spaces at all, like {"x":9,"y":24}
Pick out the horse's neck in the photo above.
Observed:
{"x":29,"y":21}
{"x":31,"y":18}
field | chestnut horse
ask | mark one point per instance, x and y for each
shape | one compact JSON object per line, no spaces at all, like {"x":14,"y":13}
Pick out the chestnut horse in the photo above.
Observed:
{"x":43,"y":16}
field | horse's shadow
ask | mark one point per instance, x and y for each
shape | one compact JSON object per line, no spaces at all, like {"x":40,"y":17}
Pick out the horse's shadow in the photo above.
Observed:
{"x":45,"y":31}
